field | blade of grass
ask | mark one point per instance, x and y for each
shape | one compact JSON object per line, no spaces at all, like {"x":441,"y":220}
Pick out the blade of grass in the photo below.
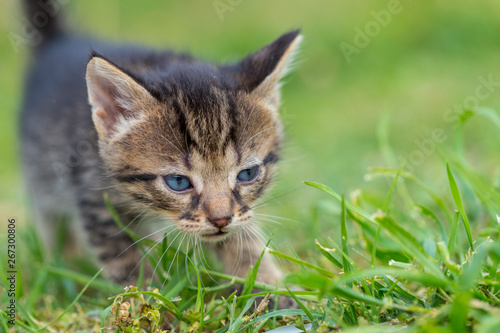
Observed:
{"x":252,"y":275}
{"x":424,"y":187}
{"x":387,"y":201}
{"x":389,"y":155}
{"x":300,"y":262}
{"x":237,"y":279}
{"x":82,"y":279}
{"x":105,"y":313}
{"x":426,"y":211}
{"x":334,"y":194}
{"x":493,"y":270}
{"x":236,"y":324}
{"x":343,"y":237}
{"x":176,"y":288}
{"x":346,"y":261}
{"x":329,"y":254}
{"x":374,"y":247}
{"x":343,"y":254}
{"x":453,"y":232}
{"x":295,"y":255}
{"x":124,"y":228}
{"x":394,"y":285}
{"x":385,"y":210}
{"x":37,"y":289}
{"x":484,"y":188}
{"x":279,"y":313}
{"x":423,"y":278}
{"x":28,"y":318}
{"x":445,"y":255}
{"x":302,"y":306}
{"x":458,"y":202}
{"x":3,"y":322}
{"x":310,"y":280}
{"x":72,"y":303}
{"x":199,"y":294}
{"x":402,"y":237}
{"x":467,"y":281}
{"x":258,"y":327}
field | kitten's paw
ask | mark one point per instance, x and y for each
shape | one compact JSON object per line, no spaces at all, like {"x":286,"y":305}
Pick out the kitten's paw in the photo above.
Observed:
{"x":284,"y":302}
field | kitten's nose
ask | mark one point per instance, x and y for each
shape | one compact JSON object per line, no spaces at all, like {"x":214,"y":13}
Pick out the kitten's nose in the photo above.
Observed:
{"x":220,"y":222}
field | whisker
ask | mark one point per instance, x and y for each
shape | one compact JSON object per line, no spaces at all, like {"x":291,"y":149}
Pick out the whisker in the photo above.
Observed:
{"x":151,"y":234}
{"x":187,"y":252}
{"x":246,"y":124}
{"x":248,"y":237}
{"x":239,"y":249}
{"x":260,"y":219}
{"x":171,"y":143}
{"x":272,"y":243}
{"x":150,"y":248}
{"x":175,"y":136}
{"x":263,"y":237}
{"x":253,"y":136}
{"x":105,"y":187}
{"x":258,"y":235}
{"x":175,"y":255}
{"x":128,"y":225}
{"x":164,"y":252}
{"x":274,"y":198}
{"x":204,"y":260}
{"x":151,"y":220}
{"x":277,"y":217}
{"x":297,"y":188}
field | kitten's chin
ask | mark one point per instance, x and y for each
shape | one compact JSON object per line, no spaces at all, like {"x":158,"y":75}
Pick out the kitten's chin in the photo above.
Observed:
{"x":215,"y":237}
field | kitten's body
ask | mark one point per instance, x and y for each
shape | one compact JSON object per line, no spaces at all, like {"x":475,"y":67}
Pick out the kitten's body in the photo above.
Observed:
{"x":64,"y":171}
{"x":152,"y":116}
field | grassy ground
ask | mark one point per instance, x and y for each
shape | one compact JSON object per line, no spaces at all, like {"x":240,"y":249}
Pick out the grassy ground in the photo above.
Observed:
{"x":406,"y":259}
{"x":401,"y":265}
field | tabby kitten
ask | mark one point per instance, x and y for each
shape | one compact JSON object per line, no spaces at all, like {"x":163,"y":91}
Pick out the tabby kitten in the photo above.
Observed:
{"x":165,"y":135}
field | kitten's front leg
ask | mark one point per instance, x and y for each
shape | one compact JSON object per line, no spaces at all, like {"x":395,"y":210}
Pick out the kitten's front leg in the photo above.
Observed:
{"x":111,"y":245}
{"x":239,"y":253}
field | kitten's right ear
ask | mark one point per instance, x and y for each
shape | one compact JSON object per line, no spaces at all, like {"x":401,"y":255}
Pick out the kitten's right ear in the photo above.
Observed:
{"x":260,"y":73}
{"x":117,"y":100}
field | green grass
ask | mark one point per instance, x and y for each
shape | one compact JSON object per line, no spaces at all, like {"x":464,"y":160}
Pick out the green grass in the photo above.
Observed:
{"x":397,"y":252}
{"x":404,"y":263}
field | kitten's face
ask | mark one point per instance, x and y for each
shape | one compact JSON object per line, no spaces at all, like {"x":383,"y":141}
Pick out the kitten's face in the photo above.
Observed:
{"x":206,"y":184}
{"x":197,"y":151}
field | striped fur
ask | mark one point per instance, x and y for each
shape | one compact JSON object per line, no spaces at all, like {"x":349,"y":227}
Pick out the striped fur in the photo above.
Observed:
{"x":151,"y":114}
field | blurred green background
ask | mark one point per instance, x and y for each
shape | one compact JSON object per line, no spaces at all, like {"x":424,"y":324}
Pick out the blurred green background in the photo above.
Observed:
{"x":427,"y":59}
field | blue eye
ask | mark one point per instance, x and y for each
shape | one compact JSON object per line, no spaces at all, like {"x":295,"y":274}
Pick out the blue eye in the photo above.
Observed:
{"x":248,"y":175}
{"x":178,"y":183}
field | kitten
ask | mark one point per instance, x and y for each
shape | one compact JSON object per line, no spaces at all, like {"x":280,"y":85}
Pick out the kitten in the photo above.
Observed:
{"x":164,"y":134}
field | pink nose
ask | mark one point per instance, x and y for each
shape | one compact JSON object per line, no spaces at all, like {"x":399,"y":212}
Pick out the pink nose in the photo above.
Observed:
{"x":220,"y":222}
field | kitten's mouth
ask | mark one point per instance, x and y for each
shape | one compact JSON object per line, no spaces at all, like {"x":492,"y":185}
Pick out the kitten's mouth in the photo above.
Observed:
{"x":215,"y":236}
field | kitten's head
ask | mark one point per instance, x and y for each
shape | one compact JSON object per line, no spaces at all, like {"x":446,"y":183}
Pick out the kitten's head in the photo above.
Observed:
{"x":196,"y":143}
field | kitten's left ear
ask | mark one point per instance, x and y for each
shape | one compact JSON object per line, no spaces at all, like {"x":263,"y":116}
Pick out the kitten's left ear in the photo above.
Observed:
{"x":118,"y":101}
{"x":260,"y":72}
